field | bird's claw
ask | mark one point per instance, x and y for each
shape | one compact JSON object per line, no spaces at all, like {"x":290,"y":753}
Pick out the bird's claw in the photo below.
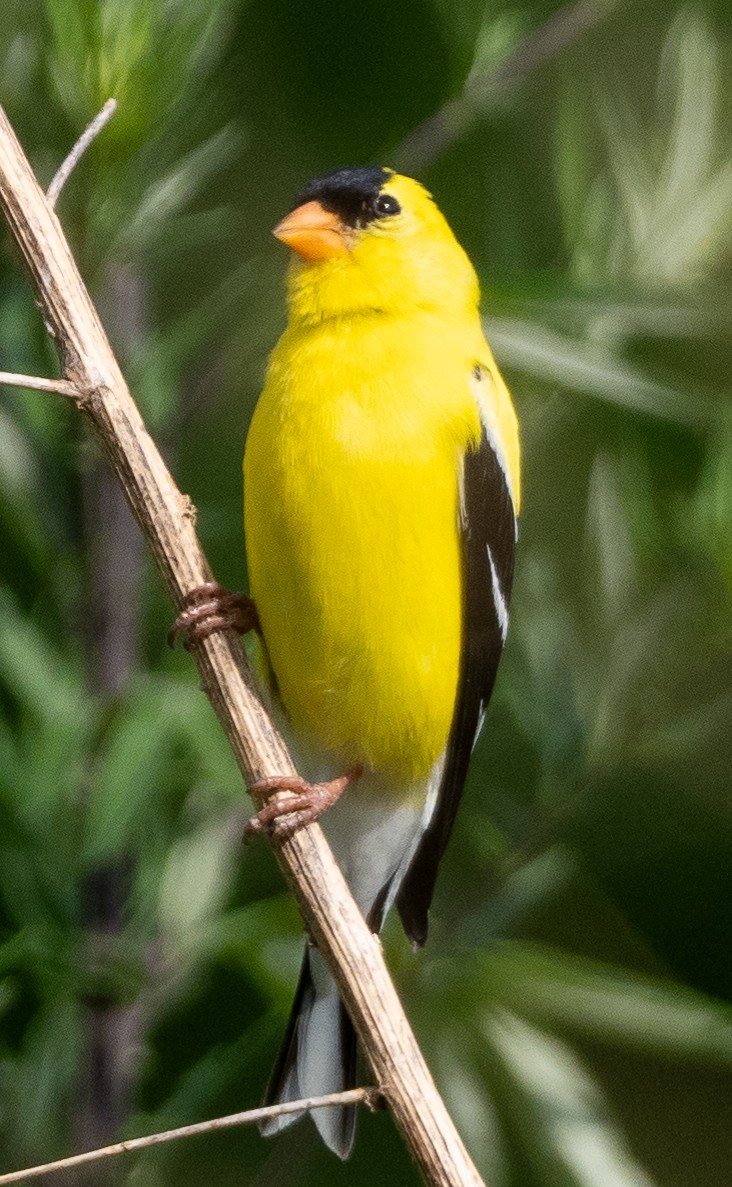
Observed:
{"x":211,"y":607}
{"x":283,"y":816}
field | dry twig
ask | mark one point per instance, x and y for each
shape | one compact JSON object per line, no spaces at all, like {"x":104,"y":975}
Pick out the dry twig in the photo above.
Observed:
{"x":354,"y":1096}
{"x":90,"y":133}
{"x":61,"y":387}
{"x":167,"y":520}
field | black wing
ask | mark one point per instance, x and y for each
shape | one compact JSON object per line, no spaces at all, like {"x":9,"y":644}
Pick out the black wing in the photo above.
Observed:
{"x":488,"y":534}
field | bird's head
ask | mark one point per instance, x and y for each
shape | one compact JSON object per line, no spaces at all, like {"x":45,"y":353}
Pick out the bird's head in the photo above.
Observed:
{"x":372,"y":241}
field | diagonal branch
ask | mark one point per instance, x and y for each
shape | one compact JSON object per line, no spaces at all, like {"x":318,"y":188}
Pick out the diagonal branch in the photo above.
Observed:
{"x":166,"y":518}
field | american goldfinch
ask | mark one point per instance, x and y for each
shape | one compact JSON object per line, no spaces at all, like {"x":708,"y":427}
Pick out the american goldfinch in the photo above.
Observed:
{"x":381,"y":488}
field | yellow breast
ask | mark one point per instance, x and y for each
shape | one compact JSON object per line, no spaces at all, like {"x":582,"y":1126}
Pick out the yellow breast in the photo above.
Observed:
{"x":351,"y":522}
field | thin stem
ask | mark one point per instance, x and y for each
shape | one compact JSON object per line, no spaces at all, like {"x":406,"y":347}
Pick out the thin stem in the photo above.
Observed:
{"x":61,"y":386}
{"x":89,"y":134}
{"x":354,"y":1096}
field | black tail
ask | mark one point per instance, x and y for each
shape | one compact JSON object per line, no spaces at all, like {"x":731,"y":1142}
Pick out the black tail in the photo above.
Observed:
{"x":333,"y":1044}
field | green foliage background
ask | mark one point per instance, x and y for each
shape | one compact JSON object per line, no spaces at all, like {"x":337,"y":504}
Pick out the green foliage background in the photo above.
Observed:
{"x":574,"y":999}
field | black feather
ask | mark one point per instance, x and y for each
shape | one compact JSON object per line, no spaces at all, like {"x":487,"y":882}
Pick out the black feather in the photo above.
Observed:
{"x":287,"y":1059}
{"x":350,"y":193}
{"x":488,"y":529}
{"x":287,"y":1054}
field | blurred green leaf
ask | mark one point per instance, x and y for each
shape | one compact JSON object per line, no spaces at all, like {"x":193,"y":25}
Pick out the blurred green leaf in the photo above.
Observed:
{"x":127,"y":769}
{"x":197,"y":879}
{"x":44,"y":682}
{"x":564,"y":1121}
{"x":167,"y":197}
{"x":591,"y":1000}
{"x":587,"y":367}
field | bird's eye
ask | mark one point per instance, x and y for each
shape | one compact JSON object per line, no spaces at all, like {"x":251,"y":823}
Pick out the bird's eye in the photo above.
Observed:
{"x":386,"y":204}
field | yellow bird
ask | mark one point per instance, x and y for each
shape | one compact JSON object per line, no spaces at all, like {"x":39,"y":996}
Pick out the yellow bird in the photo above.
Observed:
{"x":381,"y":489}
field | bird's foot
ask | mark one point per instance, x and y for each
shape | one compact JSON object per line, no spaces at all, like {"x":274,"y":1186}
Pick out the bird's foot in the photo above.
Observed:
{"x":211,"y":607}
{"x":283,"y":816}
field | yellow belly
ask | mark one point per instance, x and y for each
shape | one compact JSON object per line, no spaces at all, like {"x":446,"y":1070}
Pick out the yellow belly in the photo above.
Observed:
{"x":351,"y":522}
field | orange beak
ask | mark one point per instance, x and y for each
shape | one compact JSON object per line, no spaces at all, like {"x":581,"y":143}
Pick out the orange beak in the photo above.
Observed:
{"x":313,"y":232}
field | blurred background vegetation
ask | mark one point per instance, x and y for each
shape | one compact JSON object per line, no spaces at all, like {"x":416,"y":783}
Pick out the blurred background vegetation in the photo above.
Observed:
{"x":574,"y":999}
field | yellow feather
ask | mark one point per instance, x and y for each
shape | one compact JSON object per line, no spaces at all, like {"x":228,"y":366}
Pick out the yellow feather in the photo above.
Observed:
{"x":352,"y":511}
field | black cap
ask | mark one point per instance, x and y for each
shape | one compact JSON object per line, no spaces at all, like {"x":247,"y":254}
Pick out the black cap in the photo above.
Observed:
{"x":353,"y":194}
